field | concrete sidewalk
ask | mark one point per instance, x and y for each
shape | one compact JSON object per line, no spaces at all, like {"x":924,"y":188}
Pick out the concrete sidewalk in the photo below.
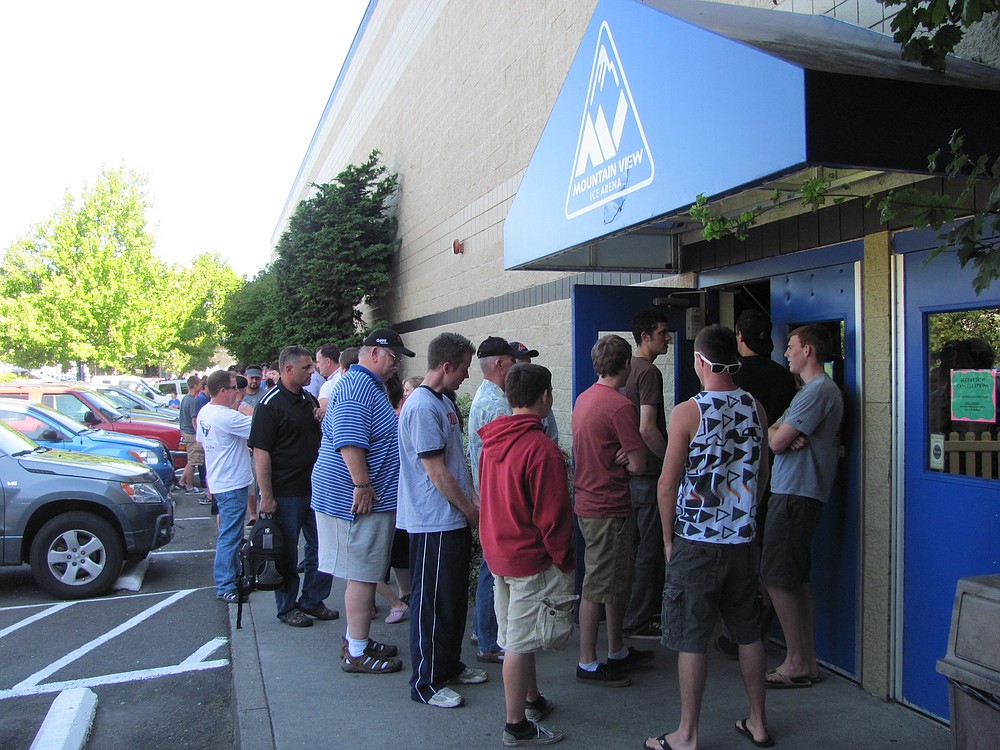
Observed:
{"x":291,"y":693}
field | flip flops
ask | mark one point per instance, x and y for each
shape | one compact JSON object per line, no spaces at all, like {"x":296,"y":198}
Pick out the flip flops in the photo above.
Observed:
{"x":742,"y":728}
{"x":776,"y":680}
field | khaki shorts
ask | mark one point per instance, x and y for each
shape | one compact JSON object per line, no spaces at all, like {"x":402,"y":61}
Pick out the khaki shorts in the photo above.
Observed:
{"x":609,"y":559}
{"x":195,"y":450}
{"x":355,"y":550}
{"x":534,"y":612}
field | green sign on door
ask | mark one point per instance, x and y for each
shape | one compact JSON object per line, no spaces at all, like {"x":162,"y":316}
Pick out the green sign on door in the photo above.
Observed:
{"x":974,"y":395}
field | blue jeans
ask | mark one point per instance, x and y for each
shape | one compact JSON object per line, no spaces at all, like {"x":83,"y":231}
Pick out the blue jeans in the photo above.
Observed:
{"x":484,"y":623}
{"x":232,"y":511}
{"x":294,"y":516}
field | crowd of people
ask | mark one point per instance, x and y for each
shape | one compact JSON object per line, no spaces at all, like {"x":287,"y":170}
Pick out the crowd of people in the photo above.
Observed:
{"x":374,"y":475}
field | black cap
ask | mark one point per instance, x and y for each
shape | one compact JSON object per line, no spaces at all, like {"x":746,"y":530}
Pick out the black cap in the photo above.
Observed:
{"x":387,"y":339}
{"x":523,"y":350}
{"x":241,"y":382}
{"x":495,"y":346}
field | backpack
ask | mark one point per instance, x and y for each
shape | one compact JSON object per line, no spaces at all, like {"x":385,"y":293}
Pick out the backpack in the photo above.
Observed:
{"x":261,"y":557}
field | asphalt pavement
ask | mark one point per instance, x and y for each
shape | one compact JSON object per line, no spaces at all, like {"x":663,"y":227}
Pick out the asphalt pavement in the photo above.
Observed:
{"x":291,"y":693}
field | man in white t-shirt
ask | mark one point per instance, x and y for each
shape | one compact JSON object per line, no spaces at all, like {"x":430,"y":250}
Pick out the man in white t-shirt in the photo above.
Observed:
{"x":327,"y":364}
{"x":224,"y":431}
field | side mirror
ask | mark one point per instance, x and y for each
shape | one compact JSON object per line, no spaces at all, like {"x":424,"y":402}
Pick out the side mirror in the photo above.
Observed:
{"x":91,"y":418}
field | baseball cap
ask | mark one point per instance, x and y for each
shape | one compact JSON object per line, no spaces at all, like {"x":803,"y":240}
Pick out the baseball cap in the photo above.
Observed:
{"x":523,"y":350}
{"x":495,"y":346}
{"x":254,"y":372}
{"x":388,"y":339}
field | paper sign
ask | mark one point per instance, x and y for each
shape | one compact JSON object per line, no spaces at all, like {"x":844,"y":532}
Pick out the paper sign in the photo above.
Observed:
{"x":974,"y":395}
{"x":937,"y":452}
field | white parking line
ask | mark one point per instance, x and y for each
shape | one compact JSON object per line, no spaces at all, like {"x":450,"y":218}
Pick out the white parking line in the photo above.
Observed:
{"x":86,"y":648}
{"x":34,"y":618}
{"x":193,"y":663}
{"x":183,"y":552}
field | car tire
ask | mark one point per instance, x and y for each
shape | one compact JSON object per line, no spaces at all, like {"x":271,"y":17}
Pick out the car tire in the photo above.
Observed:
{"x":76,"y":555}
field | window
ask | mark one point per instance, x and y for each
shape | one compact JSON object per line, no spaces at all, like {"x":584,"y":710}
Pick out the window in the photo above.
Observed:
{"x":962,"y":392}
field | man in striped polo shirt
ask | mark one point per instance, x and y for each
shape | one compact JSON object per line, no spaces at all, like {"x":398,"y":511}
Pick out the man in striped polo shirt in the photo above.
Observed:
{"x":354,"y":493}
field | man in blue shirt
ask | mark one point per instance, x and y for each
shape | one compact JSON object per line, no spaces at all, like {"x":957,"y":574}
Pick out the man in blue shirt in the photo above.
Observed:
{"x":354,"y":482}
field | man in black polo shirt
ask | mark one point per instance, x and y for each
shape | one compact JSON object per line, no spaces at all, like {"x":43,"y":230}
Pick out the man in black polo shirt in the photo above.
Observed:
{"x":285,"y":437}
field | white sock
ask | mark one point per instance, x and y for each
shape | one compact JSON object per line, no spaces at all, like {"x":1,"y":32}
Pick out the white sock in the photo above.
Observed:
{"x":619,"y":654}
{"x":591,"y":667}
{"x":356,"y":646}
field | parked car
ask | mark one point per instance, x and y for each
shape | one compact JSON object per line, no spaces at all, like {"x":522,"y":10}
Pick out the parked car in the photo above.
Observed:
{"x":135,"y":405}
{"x":85,"y":405}
{"x":75,"y":517}
{"x":134,"y":383}
{"x":50,"y":429}
{"x":172,"y":388}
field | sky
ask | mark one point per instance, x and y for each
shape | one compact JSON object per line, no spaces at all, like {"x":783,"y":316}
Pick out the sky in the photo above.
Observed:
{"x":214,"y":101}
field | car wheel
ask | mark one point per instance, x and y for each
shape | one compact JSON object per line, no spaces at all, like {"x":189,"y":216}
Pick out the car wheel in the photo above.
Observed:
{"x":76,"y":555}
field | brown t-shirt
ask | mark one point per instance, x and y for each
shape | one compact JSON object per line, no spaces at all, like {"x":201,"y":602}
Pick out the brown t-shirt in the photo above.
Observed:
{"x":603,"y":421}
{"x":645,"y":388}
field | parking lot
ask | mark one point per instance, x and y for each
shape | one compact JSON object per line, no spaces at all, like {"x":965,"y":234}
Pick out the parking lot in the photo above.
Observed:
{"x":158,"y":659}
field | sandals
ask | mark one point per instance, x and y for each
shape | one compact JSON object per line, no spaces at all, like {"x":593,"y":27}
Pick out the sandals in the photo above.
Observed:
{"x":370,"y":664}
{"x":297,"y":619}
{"x":374,"y":648}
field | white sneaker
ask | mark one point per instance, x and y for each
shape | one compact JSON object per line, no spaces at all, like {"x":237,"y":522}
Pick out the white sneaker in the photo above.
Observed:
{"x":446,"y":698}
{"x":470,"y":676}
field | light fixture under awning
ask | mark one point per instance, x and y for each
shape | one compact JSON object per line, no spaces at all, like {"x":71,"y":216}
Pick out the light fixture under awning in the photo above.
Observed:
{"x":667,"y":99}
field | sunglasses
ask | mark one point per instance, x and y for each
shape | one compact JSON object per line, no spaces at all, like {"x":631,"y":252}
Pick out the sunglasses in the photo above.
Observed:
{"x":719,"y":369}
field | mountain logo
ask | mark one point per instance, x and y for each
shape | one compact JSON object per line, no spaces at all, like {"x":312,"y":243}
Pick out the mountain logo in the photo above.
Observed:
{"x":612,"y":154}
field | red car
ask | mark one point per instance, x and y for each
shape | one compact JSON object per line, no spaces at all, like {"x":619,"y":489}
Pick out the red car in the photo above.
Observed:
{"x":87,"y":406}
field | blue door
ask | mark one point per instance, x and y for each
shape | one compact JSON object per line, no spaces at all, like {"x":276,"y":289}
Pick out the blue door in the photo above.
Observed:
{"x":827,"y":296}
{"x":951,"y":508}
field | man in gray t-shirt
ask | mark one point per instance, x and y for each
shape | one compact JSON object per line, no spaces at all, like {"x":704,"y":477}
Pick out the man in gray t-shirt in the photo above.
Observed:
{"x":804,"y":442}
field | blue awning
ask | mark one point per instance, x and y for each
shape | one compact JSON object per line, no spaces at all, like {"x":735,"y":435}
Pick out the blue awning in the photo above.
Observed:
{"x":667,"y":99}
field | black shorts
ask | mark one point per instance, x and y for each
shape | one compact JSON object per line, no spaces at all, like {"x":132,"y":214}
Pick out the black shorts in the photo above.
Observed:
{"x":791,"y":523}
{"x":706,"y":581}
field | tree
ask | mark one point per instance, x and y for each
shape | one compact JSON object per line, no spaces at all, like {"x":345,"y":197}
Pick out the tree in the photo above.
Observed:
{"x":928,"y":30}
{"x":77,"y":288}
{"x":333,"y":257}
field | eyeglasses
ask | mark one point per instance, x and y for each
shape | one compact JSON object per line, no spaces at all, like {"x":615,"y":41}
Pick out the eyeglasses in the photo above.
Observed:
{"x":228,"y":388}
{"x":718,"y":369}
{"x":396,"y":358}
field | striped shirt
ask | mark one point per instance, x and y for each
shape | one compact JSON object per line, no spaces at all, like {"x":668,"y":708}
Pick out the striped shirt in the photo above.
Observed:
{"x":358,"y":414}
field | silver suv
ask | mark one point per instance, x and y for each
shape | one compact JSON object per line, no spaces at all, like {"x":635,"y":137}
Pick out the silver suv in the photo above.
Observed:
{"x":76,"y":517}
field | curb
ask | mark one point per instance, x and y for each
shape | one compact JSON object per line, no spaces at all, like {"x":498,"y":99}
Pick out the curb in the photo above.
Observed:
{"x":132,"y":576}
{"x":252,"y":713}
{"x":68,"y":722}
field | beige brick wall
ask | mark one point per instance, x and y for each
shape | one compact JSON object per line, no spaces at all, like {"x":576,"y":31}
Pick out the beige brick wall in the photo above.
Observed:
{"x":877,"y":496}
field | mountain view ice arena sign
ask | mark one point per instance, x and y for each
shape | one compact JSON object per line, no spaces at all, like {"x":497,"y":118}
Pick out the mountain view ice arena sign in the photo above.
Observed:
{"x":612,"y":154}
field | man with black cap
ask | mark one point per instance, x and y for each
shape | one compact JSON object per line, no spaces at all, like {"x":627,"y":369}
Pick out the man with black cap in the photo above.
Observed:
{"x":496,"y":357}
{"x":524,"y":356}
{"x":354,"y":482}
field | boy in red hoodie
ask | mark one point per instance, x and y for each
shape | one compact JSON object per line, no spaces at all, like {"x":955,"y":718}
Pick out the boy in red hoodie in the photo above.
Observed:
{"x":525,"y":528}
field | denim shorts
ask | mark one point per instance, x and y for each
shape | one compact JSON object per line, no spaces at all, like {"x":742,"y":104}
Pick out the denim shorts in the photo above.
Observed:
{"x":609,"y":558}
{"x":705,"y":581}
{"x":791,"y":522}
{"x":534,"y":612}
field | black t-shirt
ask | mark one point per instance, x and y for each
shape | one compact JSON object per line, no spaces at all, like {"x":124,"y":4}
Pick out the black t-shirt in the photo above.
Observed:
{"x":768,"y":382}
{"x":284,"y":426}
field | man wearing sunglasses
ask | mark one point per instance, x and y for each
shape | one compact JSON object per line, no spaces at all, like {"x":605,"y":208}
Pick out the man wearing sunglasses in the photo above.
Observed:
{"x":714,"y":474}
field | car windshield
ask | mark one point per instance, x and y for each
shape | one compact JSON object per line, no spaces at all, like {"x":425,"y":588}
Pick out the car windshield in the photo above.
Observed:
{"x":118,"y":399}
{"x":13,"y":442}
{"x":141,"y":400}
{"x":109,"y":410}
{"x":67,"y":424}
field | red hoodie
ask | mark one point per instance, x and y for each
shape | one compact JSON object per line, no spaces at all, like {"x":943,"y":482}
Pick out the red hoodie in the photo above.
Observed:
{"x":525,"y":518}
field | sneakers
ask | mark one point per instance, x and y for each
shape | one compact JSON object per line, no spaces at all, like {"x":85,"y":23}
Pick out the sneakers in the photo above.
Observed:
{"x":446,"y":698}
{"x":538,"y":709}
{"x":634,"y":659}
{"x":490,"y":657}
{"x":370,"y":664}
{"x":470,"y":676}
{"x":651,"y":632}
{"x":602,"y":676}
{"x":536,"y":734}
{"x":231,"y":597}
{"x":190,"y":490}
{"x":204,"y":499}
